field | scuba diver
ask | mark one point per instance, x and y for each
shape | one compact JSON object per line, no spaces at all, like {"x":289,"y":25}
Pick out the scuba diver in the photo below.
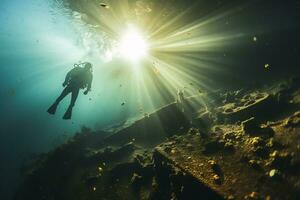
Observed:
{"x":76,"y":79}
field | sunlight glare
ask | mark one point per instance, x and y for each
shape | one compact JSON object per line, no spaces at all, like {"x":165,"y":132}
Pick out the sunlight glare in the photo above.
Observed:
{"x":132,"y":45}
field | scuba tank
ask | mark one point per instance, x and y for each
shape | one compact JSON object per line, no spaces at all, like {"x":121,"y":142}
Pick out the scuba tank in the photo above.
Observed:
{"x":79,"y":64}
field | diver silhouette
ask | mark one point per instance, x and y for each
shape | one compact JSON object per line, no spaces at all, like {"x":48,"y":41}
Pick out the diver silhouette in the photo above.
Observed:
{"x":76,"y":79}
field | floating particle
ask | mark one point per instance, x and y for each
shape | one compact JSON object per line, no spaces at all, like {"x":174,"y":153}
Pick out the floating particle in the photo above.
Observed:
{"x":104,"y":5}
{"x":94,"y":189}
{"x":100,"y":169}
{"x":191,"y":83}
{"x":120,"y":85}
{"x":267,"y":66}
{"x":254,"y":39}
{"x":90,"y":99}
{"x":272,"y":172}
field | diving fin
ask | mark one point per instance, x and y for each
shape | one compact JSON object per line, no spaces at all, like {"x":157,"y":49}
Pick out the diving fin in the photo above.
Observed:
{"x":68,"y":114}
{"x":52,"y":109}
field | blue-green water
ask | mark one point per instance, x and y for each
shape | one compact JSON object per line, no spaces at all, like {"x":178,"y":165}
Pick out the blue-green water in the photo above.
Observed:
{"x":38,"y":47}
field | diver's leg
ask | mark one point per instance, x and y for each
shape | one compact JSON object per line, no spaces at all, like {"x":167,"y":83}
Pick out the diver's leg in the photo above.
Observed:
{"x":68,"y":113}
{"x":53,"y":107}
{"x":64,"y":93}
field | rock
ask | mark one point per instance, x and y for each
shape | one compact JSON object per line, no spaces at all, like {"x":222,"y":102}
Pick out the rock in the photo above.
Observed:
{"x":274,"y":174}
{"x":228,"y":110}
{"x":274,"y":154}
{"x":229,"y":136}
{"x":256,"y":141}
{"x":173,"y":151}
{"x":294,"y":120}
{"x":217,"y":179}
{"x":168,"y":149}
{"x":252,"y":196}
{"x":250,"y":126}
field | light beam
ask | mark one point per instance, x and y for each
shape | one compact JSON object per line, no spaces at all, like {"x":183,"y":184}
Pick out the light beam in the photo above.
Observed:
{"x":132,"y":45}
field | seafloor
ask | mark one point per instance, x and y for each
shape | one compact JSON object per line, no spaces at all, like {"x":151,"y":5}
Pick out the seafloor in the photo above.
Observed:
{"x":239,"y":144}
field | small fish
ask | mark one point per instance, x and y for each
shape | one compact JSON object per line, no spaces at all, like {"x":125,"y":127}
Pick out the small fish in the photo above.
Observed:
{"x":104,"y":5}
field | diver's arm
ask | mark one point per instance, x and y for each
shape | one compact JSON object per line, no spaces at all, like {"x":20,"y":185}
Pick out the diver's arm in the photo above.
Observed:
{"x":68,"y":76}
{"x":89,"y":86}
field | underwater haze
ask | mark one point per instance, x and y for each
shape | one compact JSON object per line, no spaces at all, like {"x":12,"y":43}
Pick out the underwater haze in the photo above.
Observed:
{"x":226,"y":44}
{"x":38,"y":48}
